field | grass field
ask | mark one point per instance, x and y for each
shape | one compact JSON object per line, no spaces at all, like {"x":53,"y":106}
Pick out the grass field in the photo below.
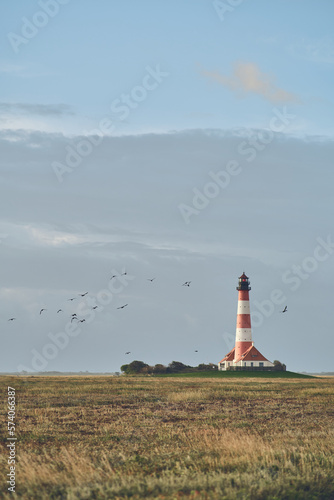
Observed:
{"x":171,"y":438}
{"x":236,"y":374}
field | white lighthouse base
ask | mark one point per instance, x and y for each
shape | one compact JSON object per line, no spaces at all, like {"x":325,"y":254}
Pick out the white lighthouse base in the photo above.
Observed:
{"x":223,"y":366}
{"x":250,"y":359}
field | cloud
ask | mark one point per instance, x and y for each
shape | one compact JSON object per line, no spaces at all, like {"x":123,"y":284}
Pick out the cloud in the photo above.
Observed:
{"x":26,"y":70}
{"x":119,"y":210}
{"x":248,"y":78}
{"x":320,"y":51}
{"x":35,"y":109}
{"x":11,"y":69}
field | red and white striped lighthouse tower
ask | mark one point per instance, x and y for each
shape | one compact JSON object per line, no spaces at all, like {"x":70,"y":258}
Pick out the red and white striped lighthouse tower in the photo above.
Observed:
{"x":243,"y":334}
{"x":244,"y":356}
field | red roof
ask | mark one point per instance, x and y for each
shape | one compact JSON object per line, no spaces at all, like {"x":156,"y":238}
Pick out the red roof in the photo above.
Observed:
{"x":252,"y":354}
{"x":229,"y":356}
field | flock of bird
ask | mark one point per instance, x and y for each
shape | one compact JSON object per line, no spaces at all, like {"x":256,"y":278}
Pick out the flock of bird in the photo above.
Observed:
{"x":74,"y":315}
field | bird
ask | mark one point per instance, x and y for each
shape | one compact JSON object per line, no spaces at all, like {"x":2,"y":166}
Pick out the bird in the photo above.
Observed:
{"x":40,"y":312}
{"x":74,"y":314}
{"x":285,"y":309}
{"x":186,"y":283}
{"x":72,"y":298}
{"x":73,"y":317}
{"x":196,"y":351}
{"x":121,"y":307}
{"x":83,"y":294}
{"x":81,"y":320}
{"x":59,"y":310}
{"x":95,"y":307}
{"x":128,"y":352}
{"x":114,"y":276}
{"x":11,"y":319}
{"x":123,"y":274}
{"x":148,"y":279}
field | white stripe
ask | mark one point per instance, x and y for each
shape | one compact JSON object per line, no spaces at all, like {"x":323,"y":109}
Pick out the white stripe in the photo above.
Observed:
{"x":243,"y":335}
{"x":243,"y":307}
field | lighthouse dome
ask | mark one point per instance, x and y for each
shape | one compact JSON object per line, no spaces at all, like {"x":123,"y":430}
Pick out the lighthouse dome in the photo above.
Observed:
{"x":244,"y":283}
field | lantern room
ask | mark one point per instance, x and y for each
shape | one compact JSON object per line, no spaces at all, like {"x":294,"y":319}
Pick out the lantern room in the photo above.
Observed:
{"x":244,"y":283}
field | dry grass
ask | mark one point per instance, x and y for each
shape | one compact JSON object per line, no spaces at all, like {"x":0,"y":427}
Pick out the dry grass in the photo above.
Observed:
{"x":138,"y":437}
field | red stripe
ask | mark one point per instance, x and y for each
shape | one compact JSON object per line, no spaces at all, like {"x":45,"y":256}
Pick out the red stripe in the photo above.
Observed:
{"x":240,"y":348}
{"x":243,"y":321}
{"x":243,"y":295}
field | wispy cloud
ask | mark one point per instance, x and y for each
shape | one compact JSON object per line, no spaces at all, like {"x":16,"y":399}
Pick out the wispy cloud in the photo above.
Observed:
{"x":316,"y":50}
{"x":35,"y":109}
{"x":11,"y":69}
{"x":319,"y":50}
{"x":24,"y":70}
{"x":248,"y":78}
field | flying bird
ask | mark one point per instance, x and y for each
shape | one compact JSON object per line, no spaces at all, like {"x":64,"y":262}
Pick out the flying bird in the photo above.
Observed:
{"x":196,"y":351}
{"x":121,"y":307}
{"x":81,"y":320}
{"x":95,"y":307}
{"x":59,"y":310}
{"x":11,"y":319}
{"x":123,"y":274}
{"x":186,"y":283}
{"x":148,"y":279}
{"x":128,"y":352}
{"x":83,"y":294}
{"x":40,"y":312}
{"x":114,"y":276}
{"x":72,"y":298}
{"x":285,"y":309}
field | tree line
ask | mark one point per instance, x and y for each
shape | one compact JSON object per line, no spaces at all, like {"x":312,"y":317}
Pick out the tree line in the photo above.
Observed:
{"x":139,"y":367}
{"x":136,"y":367}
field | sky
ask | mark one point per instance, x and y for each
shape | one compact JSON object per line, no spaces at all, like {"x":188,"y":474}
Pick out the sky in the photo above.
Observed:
{"x":166,"y":141}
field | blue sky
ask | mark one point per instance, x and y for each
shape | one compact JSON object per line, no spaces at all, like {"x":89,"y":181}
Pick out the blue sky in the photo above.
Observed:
{"x":90,"y":53}
{"x":117,"y":119}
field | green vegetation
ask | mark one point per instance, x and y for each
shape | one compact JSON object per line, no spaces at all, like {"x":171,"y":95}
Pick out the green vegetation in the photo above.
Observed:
{"x":139,"y":367}
{"x":238,"y":374}
{"x":224,"y":438}
{"x":176,"y":367}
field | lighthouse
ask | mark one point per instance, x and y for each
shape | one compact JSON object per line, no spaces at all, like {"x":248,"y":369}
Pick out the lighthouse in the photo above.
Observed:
{"x":243,"y":334}
{"x":244,"y":356}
